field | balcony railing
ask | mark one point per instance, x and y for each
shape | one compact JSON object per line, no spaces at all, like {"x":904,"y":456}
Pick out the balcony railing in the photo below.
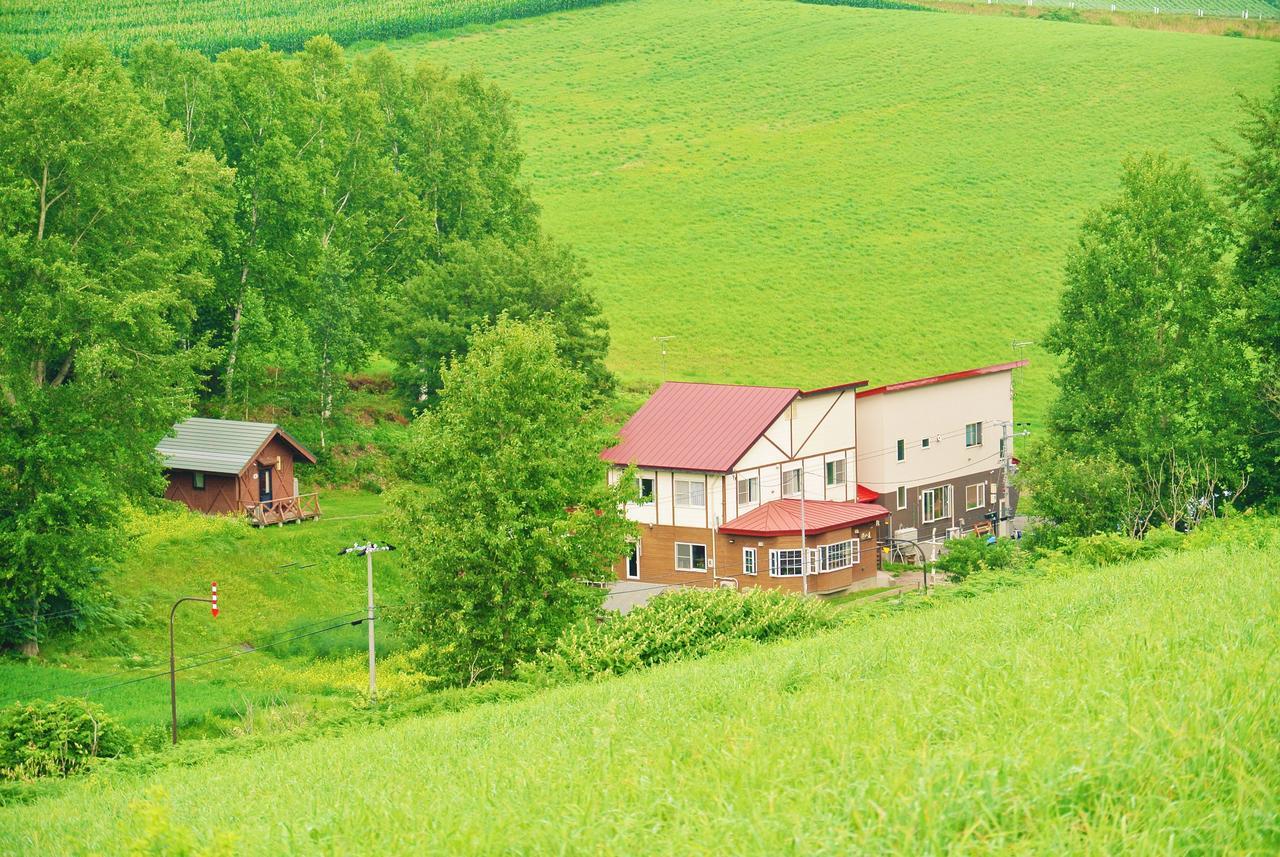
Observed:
{"x":284,"y":510}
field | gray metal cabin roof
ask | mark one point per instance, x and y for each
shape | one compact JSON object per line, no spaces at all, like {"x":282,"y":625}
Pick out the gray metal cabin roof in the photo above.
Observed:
{"x":217,"y":446}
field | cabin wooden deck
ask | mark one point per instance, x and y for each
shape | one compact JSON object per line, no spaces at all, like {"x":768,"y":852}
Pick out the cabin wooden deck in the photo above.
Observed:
{"x":285,"y":510}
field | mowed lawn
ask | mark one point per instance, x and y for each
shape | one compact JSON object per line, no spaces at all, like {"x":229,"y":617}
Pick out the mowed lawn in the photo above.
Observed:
{"x":1127,"y":710}
{"x":809,"y":194}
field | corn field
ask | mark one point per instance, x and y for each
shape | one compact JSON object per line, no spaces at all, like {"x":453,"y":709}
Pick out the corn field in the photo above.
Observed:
{"x":36,"y":27}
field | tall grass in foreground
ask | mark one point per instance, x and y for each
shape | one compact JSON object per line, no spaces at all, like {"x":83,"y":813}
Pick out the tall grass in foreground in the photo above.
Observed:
{"x":1131,"y":709}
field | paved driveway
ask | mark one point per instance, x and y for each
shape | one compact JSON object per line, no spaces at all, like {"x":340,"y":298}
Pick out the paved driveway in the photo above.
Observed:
{"x":626,"y":594}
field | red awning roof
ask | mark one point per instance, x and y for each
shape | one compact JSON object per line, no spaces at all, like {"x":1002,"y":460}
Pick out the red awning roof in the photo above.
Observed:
{"x":940,"y":379}
{"x":782,"y":518}
{"x":867,"y":495}
{"x":705,"y":427}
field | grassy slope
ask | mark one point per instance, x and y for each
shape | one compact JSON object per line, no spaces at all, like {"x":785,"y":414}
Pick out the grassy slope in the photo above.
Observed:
{"x":259,"y":600}
{"x":809,"y":194}
{"x":1127,"y":710}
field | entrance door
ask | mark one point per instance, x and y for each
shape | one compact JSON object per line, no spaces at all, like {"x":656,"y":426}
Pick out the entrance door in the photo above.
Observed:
{"x":264,"y":483}
{"x":633,"y":562}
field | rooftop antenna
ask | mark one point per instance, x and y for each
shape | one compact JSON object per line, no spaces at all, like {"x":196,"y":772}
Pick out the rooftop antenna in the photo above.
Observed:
{"x":662,"y":343}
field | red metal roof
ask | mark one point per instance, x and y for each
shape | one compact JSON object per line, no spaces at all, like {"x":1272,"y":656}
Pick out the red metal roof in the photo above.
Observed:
{"x":867,"y":495}
{"x":782,"y":518}
{"x":705,"y":427}
{"x":940,"y":379}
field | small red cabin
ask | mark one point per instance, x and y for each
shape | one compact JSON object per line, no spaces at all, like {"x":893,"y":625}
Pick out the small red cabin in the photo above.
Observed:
{"x":221,"y":466}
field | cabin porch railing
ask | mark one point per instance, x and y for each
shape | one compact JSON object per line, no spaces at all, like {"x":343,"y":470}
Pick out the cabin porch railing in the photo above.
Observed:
{"x":284,"y":510}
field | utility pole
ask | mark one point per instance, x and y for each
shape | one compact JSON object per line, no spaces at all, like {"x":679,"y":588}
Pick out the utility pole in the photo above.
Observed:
{"x":369,"y":549}
{"x":662,"y":343}
{"x":173,"y":670}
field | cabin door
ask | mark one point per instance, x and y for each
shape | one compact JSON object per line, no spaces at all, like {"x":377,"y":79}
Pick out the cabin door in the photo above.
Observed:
{"x":264,"y":483}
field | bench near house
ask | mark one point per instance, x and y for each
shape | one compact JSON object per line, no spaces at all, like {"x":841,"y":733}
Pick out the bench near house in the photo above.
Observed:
{"x":230,"y":466}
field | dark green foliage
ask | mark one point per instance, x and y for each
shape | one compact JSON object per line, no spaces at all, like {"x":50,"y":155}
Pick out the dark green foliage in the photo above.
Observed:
{"x":104,"y":223}
{"x":1253,"y":190}
{"x":434,"y":312}
{"x":676,"y":626}
{"x":57,"y":738}
{"x":516,"y":513}
{"x":873,"y":4}
{"x":968,"y":555}
{"x":1070,"y":16}
{"x":1077,"y":494}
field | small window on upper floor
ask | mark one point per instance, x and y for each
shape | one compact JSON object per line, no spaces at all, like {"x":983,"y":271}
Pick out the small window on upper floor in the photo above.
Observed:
{"x":835,"y":472}
{"x":748,"y":490}
{"x":645,"y":485}
{"x":902,"y":450}
{"x":924,"y":443}
{"x":197,"y":481}
{"x":691,"y":493}
{"x":973,"y":434}
{"x":791,"y":483}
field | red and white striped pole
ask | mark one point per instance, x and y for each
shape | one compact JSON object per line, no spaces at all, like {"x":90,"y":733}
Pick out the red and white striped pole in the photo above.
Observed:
{"x":214,"y":601}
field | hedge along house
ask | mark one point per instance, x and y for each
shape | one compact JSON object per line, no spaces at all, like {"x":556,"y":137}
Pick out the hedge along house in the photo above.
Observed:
{"x":229,"y":466}
{"x":748,"y":486}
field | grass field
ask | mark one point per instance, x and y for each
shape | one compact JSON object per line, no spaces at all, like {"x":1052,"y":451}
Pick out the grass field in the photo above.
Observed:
{"x":35,"y":27}
{"x":1131,"y":709}
{"x":271,"y":581}
{"x":810,"y":194}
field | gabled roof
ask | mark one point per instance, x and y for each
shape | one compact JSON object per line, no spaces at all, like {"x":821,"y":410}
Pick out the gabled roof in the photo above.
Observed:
{"x":782,"y":517}
{"x":220,"y":446}
{"x":942,"y":379}
{"x":705,"y":427}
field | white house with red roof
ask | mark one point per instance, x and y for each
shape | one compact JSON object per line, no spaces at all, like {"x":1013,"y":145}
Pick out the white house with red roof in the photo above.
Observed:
{"x":936,"y":452}
{"x":748,"y":486}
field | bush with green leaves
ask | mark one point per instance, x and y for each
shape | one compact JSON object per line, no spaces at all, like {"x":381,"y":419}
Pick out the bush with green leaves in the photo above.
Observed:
{"x":56,"y":738}
{"x":968,"y":555}
{"x":680,"y":625}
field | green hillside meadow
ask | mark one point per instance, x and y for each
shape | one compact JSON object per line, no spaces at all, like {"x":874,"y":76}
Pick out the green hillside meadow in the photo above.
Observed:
{"x":1126,"y":710}
{"x":811,"y":194}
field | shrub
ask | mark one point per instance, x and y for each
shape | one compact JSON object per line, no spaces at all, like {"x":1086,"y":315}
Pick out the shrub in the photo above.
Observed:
{"x":677,"y":626}
{"x":57,"y":738}
{"x":1070,"y":16}
{"x":873,"y":4}
{"x":968,"y":555}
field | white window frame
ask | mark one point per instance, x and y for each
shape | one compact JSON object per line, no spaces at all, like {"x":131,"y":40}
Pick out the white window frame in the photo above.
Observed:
{"x":924,"y":443}
{"x":653,"y":488}
{"x":982,"y":496}
{"x":693,"y":486}
{"x":972,"y":434}
{"x":932,"y":495}
{"x":834,"y":465}
{"x":902,"y":449}
{"x":853,"y":555}
{"x":775,"y":562}
{"x":799,"y":486}
{"x":751,"y":567}
{"x":752,"y":484}
{"x":901,"y":496}
{"x":692,"y":566}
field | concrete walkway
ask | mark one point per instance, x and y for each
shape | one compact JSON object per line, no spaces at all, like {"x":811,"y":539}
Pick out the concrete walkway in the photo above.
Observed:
{"x":626,"y":594}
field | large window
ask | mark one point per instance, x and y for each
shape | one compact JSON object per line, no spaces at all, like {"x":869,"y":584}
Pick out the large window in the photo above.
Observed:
{"x":935,"y":504}
{"x":835,"y":472}
{"x":785,"y":563}
{"x":749,"y":561}
{"x":748,"y":490}
{"x":973,"y":434}
{"x":839,"y":555}
{"x":902,"y":450}
{"x":645,"y":485}
{"x":691,"y":493}
{"x":691,"y":557}
{"x":791,"y":483}
{"x":902,"y":496}
{"x":975,"y":496}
